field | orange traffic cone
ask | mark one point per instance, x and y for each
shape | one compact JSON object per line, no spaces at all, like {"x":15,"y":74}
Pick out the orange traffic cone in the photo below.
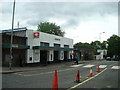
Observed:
{"x":91,"y":74}
{"x":78,"y":77}
{"x":55,"y":81}
{"x":98,"y":69}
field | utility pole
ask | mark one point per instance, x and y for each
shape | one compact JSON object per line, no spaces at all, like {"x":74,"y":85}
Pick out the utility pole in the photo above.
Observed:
{"x":100,"y":35}
{"x":11,"y":41}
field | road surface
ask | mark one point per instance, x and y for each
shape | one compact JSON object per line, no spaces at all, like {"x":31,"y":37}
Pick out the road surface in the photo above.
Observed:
{"x":43,"y":77}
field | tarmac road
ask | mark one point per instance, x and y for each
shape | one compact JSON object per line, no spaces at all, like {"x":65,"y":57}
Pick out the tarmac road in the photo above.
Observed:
{"x":43,"y":77}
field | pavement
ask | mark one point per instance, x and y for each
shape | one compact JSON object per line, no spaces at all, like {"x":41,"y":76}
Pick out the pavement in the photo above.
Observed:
{"x":6,"y":70}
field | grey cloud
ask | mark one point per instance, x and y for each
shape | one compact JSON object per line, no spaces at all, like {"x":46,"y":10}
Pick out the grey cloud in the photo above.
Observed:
{"x":73,"y":12}
{"x":71,"y":23}
{"x":34,"y":22}
{"x":5,"y":7}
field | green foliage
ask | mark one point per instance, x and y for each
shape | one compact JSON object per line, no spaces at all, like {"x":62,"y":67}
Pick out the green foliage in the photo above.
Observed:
{"x":113,"y":45}
{"x":50,"y":28}
{"x":93,"y":45}
{"x":96,"y":44}
{"x":85,"y":45}
{"x":104,"y":45}
{"x":99,"y":45}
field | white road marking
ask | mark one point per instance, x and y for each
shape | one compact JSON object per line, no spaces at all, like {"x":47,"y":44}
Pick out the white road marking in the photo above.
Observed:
{"x":108,"y":86}
{"x":88,"y":66}
{"x":115,"y":67}
{"x":76,"y":65}
{"x":102,"y":66}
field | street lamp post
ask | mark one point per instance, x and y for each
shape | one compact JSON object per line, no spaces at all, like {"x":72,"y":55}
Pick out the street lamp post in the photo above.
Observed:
{"x":100,"y":35}
{"x":11,"y":41}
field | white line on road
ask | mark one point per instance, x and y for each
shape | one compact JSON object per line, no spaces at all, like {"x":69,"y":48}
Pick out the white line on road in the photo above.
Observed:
{"x":76,"y":65}
{"x":115,"y":67}
{"x":102,"y":66}
{"x":88,"y":66}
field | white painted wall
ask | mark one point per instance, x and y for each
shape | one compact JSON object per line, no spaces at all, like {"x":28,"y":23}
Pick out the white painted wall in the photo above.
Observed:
{"x":102,"y":53}
{"x":36,"y":55}
{"x":62,"y":55}
{"x":48,"y":38}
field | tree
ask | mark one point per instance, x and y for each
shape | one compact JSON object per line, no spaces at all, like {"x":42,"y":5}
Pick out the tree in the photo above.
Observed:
{"x":85,"y":45}
{"x":50,"y":28}
{"x":99,"y":45}
{"x":104,"y":45}
{"x":96,"y":45}
{"x":113,"y":45}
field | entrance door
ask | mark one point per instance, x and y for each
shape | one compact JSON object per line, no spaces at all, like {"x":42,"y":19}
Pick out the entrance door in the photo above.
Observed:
{"x":43,"y":56}
{"x":56,"y":56}
{"x":65,"y":55}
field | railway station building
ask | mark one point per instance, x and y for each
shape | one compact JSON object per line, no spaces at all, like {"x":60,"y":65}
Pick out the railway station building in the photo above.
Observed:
{"x":31,"y":46}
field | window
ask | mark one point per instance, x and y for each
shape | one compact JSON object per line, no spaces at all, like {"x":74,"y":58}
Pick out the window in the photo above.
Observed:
{"x":44,"y":44}
{"x":56,"y":45}
{"x":66,"y":46}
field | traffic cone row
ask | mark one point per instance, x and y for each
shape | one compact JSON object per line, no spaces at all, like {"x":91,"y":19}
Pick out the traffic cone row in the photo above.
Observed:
{"x":55,"y":79}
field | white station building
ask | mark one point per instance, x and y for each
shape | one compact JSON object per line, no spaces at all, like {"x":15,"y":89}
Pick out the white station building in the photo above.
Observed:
{"x":47,"y":47}
{"x":31,"y":46}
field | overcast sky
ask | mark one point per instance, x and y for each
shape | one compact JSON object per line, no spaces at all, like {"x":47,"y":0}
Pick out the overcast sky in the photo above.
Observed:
{"x":82,"y":21}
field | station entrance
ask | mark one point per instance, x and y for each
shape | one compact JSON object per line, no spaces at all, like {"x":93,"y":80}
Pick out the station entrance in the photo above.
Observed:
{"x":65,"y":55}
{"x":56,"y":56}
{"x":56,"y":53}
{"x":43,"y":56}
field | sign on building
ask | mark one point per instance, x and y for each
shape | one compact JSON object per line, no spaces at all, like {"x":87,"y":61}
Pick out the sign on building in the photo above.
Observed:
{"x":36,"y":34}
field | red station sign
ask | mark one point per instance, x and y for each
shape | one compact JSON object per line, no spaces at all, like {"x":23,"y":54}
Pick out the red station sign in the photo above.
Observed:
{"x":36,"y":34}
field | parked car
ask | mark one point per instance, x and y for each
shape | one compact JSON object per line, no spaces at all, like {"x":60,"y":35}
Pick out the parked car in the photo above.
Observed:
{"x":108,"y":58}
{"x":116,"y":58}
